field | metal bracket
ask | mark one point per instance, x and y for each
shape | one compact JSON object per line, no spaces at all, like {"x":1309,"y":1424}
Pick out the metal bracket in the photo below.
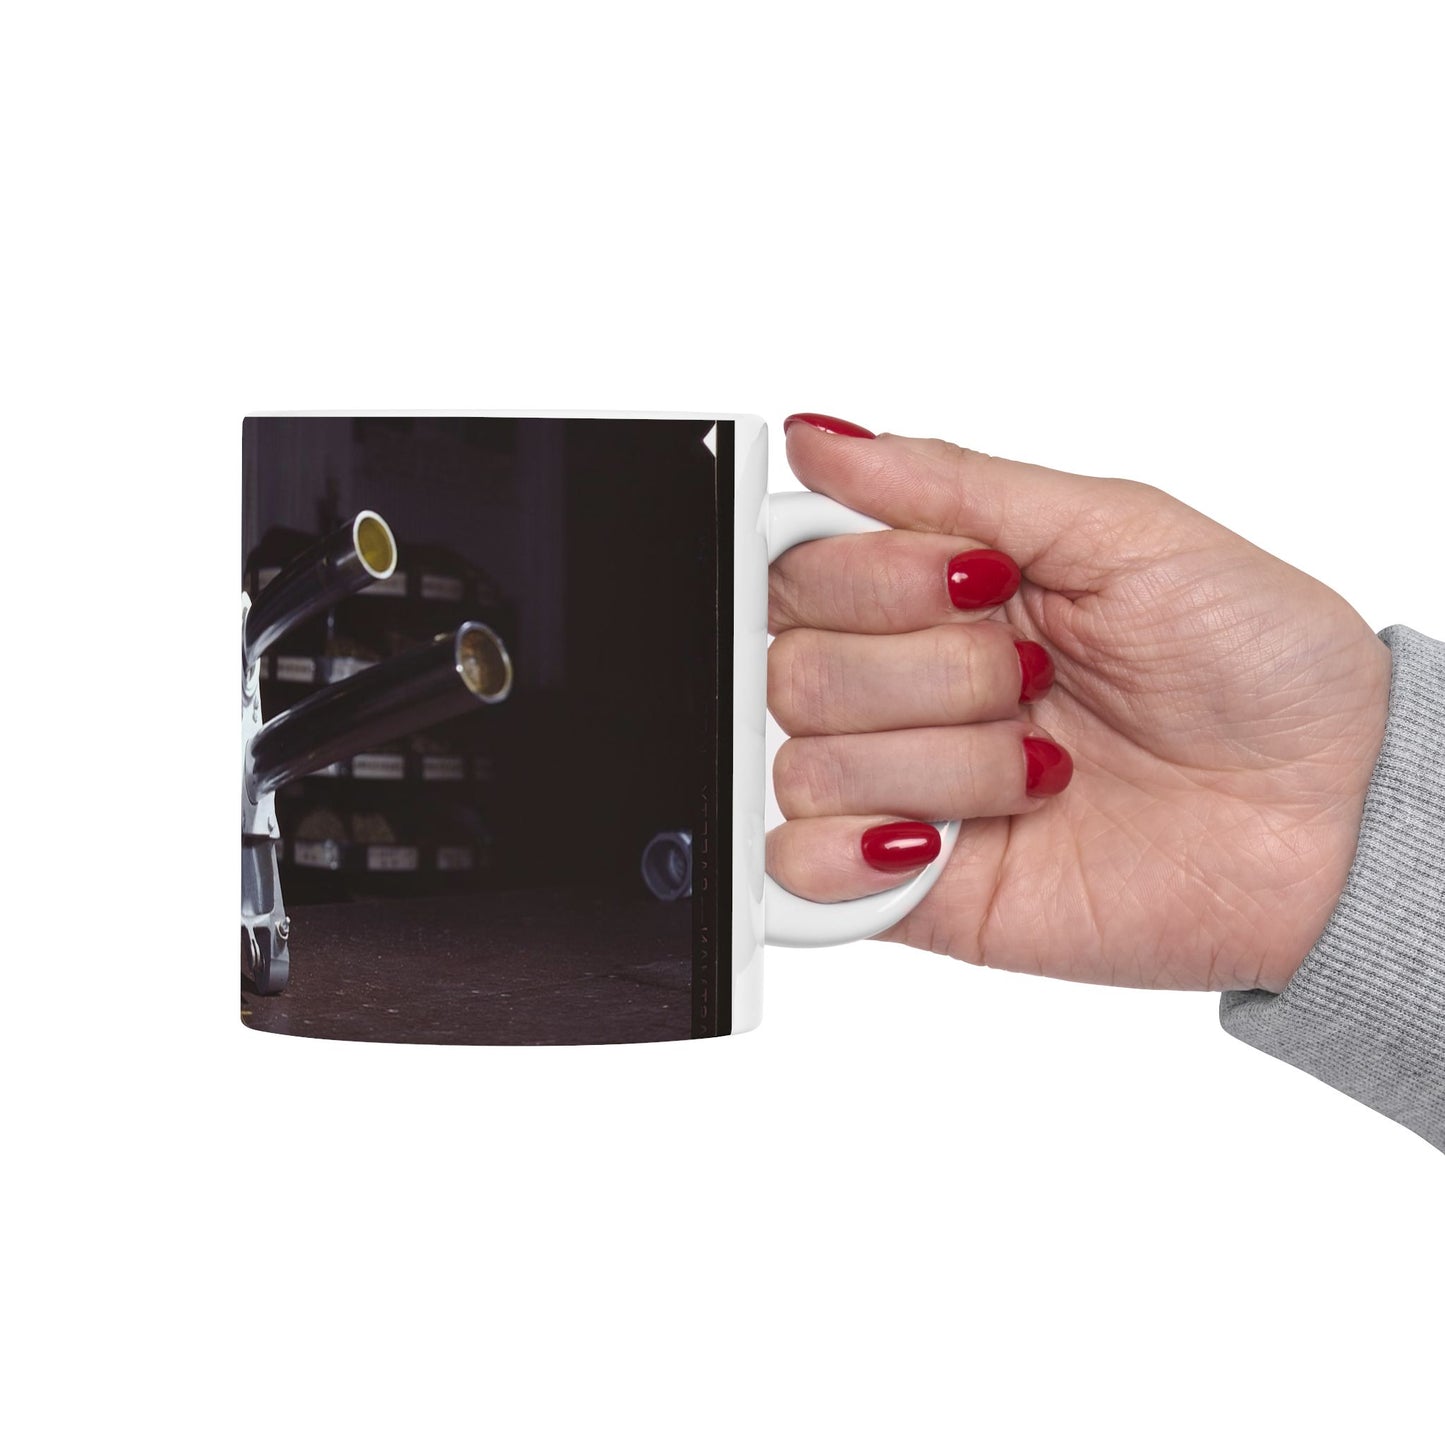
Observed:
{"x":265,"y":928}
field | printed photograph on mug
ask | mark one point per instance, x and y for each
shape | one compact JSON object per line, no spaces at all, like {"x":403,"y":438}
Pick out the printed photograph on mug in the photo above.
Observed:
{"x":486,"y":708}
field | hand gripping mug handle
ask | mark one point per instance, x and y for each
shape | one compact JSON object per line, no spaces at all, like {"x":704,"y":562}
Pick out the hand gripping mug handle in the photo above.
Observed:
{"x":790,"y":921}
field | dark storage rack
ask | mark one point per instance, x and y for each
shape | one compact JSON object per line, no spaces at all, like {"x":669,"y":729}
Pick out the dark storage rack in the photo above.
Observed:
{"x":422,"y":803}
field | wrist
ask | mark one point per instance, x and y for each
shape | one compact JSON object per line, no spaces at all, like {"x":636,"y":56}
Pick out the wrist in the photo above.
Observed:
{"x":1337,"y":844}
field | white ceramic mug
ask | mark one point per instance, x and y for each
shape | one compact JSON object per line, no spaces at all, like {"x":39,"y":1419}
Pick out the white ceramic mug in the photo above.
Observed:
{"x":622,"y":562}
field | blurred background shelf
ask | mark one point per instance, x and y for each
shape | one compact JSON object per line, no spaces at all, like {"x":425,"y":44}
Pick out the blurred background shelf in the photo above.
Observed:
{"x":331,"y":856}
{"x":417,"y":815}
{"x":579,"y":544}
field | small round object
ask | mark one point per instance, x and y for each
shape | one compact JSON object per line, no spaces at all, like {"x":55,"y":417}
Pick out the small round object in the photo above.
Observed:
{"x":667,"y":866}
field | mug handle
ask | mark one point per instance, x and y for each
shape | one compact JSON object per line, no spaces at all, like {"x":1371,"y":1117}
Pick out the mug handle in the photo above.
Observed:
{"x":790,"y":921}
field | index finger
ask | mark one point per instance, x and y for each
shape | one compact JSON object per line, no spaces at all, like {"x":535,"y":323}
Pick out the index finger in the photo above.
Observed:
{"x":887,"y":582}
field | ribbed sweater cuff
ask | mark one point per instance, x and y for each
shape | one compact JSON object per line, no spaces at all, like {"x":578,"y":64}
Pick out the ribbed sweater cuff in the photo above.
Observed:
{"x":1365,"y":1011}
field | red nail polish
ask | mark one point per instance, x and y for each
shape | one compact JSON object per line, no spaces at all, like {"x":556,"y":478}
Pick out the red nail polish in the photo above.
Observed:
{"x":981,"y":578}
{"x":1049,"y":767}
{"x":1038,"y":671}
{"x":899,"y":847}
{"x":834,"y":424}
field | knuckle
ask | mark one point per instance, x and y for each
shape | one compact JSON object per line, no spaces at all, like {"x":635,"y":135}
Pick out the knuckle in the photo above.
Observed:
{"x":946,"y":454}
{"x":955,"y":666}
{"x":885,"y":587}
{"x":797,"y":683}
{"x":805,"y":777}
{"x":966,"y":461}
{"x":963,"y":467}
{"x":1128,"y":523}
{"x":1144,"y":495}
{"x":782,"y":603}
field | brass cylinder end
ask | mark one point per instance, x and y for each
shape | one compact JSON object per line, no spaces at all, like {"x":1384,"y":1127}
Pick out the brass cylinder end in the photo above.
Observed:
{"x":483,"y":662}
{"x":375,"y":545}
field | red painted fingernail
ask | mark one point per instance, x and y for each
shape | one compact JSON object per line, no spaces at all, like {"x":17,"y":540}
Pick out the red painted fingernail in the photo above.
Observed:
{"x":981,"y":578}
{"x":1049,"y":767}
{"x":899,"y":847}
{"x":1038,"y":671}
{"x":834,"y":424}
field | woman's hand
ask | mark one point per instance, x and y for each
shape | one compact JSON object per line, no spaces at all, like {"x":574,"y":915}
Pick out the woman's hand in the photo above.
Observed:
{"x":1222,"y":711}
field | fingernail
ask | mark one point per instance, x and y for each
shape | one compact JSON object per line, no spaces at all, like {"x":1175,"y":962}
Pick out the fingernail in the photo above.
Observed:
{"x":981,"y":578}
{"x":1038,"y":671}
{"x":1049,"y":767}
{"x":834,"y":424}
{"x":899,"y":847}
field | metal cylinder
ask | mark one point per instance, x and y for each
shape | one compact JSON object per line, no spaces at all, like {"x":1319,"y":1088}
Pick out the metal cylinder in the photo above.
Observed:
{"x":360,"y":552}
{"x":458,"y":671}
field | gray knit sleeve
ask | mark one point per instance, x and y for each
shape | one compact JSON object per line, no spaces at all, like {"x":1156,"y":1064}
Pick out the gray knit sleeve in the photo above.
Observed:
{"x":1365,"y":1011}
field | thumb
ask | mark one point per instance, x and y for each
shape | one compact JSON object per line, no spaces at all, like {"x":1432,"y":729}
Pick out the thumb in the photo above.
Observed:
{"x":1066,"y":531}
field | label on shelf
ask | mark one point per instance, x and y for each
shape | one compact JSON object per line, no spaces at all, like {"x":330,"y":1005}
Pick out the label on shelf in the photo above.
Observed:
{"x":443,"y":770}
{"x":295,"y":669}
{"x":389,"y":767}
{"x":393,"y":586}
{"x":437,"y":588}
{"x":391,"y":859}
{"x":454,"y":858}
{"x":325,"y":853}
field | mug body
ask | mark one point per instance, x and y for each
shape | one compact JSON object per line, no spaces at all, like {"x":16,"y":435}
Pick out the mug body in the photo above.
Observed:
{"x":503,"y":695}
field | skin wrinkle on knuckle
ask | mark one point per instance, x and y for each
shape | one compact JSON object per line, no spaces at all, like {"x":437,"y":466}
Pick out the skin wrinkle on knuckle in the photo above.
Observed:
{"x":828,"y":688}
{"x":803,"y":684}
{"x":782,"y":611}
{"x":965,"y":461}
{"x":785,"y":784}
{"x":782,"y":662}
{"x":806,"y":777}
{"x":828,"y":774}
{"x":966,"y":785}
{"x":938,"y":453}
{"x":964,"y":466}
{"x":954,"y":669}
{"x":887,"y":587}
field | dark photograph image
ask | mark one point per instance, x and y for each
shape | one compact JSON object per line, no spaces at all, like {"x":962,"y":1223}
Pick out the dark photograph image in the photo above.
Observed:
{"x":480,"y":720}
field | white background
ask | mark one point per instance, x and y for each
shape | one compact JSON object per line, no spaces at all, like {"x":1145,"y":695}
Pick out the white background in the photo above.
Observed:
{"x":1196,"y":245}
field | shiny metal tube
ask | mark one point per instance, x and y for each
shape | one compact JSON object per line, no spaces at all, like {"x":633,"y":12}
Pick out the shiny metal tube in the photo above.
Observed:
{"x":360,"y":552}
{"x":425,"y":686}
